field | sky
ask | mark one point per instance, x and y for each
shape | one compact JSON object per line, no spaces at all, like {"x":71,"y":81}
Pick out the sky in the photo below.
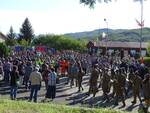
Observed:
{"x":69,"y":16}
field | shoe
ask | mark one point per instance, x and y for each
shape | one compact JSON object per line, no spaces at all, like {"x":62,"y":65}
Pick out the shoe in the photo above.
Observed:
{"x":35,"y":101}
{"x":123,"y":105}
{"x":133,"y":102}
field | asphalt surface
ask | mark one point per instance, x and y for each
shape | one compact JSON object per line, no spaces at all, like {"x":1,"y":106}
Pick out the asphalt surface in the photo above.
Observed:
{"x":71,"y":96}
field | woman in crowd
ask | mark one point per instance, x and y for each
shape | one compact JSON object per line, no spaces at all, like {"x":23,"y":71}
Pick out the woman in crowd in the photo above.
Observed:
{"x":14,"y":81}
{"x":51,"y":90}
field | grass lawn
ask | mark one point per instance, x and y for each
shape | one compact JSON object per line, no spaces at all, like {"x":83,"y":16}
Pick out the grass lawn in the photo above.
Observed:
{"x":8,"y":106}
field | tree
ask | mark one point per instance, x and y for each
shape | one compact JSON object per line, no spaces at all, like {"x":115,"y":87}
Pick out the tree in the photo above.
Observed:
{"x":11,"y":41}
{"x":59,"y":42}
{"x":23,"y":43}
{"x":26,"y":32}
{"x":91,"y":3}
{"x":148,"y":48}
{"x":11,"y":34}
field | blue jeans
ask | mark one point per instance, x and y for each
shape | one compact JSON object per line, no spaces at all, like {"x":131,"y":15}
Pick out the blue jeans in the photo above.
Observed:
{"x":34,"y":92}
{"x":13,"y":92}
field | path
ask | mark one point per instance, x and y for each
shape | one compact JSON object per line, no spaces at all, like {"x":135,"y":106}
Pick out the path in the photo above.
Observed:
{"x":70,"y":96}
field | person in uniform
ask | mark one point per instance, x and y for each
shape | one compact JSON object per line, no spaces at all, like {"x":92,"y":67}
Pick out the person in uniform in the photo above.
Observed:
{"x":146,"y":89}
{"x":71,"y":74}
{"x":136,"y":85}
{"x":106,"y":84}
{"x":93,"y":80}
{"x":79,"y":79}
{"x":119,"y":86}
{"x":129,"y":81}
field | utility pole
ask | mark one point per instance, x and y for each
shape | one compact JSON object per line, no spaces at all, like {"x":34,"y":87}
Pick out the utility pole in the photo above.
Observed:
{"x":107,"y":33}
{"x":142,"y":24}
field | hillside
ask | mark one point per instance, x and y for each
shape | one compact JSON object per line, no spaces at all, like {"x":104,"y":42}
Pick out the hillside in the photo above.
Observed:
{"x":114,"y":35}
{"x":7,"y":106}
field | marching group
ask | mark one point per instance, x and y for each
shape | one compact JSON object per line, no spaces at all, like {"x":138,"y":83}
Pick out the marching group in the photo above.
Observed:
{"x":110,"y":73}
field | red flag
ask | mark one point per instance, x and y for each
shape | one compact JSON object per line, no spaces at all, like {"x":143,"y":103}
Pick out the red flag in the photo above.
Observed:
{"x":139,"y":23}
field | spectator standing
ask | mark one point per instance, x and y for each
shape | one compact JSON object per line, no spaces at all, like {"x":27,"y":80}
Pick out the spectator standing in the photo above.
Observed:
{"x":7,"y":69}
{"x":35,"y":79}
{"x":14,"y":78}
{"x":28,"y":70}
{"x":51,"y":91}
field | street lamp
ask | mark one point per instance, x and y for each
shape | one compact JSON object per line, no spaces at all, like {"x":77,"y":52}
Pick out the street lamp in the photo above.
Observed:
{"x":107,"y":33}
{"x":142,"y":24}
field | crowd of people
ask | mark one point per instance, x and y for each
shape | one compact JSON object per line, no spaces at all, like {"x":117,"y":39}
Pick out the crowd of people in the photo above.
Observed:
{"x":111,"y":73}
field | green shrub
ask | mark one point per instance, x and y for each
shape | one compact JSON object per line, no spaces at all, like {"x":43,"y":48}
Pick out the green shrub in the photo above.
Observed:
{"x":146,"y":61}
{"x":4,"y":50}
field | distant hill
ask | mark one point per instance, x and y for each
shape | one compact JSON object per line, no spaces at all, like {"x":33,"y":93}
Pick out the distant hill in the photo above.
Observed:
{"x":132,"y":35}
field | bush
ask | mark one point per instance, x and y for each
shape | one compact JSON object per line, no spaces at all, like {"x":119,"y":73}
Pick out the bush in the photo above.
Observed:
{"x":146,"y":61}
{"x":4,"y":50}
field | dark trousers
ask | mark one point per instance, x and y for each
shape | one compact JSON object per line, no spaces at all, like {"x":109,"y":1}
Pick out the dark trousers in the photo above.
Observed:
{"x":34,"y":92}
{"x":51,"y":92}
{"x":13,"y":92}
{"x":6,"y":76}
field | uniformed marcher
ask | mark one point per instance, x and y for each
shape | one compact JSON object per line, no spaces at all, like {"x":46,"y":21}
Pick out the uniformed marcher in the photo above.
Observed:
{"x":129,"y":81}
{"x":106,"y":84}
{"x":72,"y":73}
{"x":119,"y":86}
{"x":93,"y":80}
{"x":79,"y":79}
{"x":146,"y":89}
{"x":136,"y":85}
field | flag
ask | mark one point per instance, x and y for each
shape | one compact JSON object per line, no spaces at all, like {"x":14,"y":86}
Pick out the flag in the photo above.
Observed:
{"x":139,"y":23}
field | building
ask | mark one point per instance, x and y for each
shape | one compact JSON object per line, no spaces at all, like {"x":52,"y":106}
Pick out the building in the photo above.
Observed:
{"x":2,"y":37}
{"x":111,"y":46}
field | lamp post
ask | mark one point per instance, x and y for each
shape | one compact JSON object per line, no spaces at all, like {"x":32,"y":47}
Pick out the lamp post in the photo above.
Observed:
{"x":107,"y":33}
{"x":142,"y":24}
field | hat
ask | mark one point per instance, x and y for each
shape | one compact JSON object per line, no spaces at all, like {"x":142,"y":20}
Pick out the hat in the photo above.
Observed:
{"x":37,"y":68}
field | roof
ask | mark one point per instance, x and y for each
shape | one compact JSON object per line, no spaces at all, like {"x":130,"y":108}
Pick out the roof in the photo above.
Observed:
{"x":2,"y":36}
{"x":113,"y":44}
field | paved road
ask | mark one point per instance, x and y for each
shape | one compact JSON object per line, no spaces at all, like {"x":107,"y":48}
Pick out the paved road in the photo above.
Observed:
{"x":70,"y":96}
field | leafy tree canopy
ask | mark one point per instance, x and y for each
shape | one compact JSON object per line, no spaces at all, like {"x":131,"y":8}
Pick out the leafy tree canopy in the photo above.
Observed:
{"x":91,"y":3}
{"x":59,"y":42}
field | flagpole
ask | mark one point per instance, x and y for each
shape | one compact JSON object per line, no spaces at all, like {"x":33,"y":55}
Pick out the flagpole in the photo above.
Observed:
{"x":141,"y":28}
{"x":107,"y":33}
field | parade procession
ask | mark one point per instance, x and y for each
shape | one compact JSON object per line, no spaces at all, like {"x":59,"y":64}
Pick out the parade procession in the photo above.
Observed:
{"x":118,"y":79}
